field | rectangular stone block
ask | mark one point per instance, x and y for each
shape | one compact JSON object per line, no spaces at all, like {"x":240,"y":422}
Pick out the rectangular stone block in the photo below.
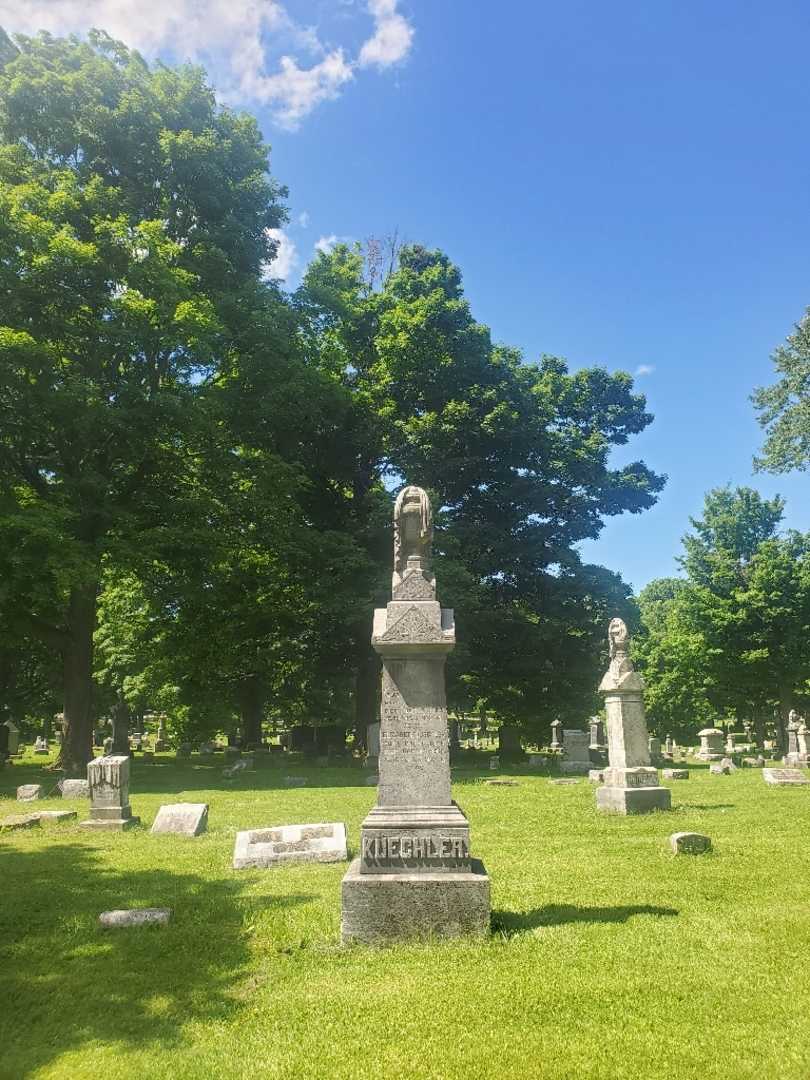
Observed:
{"x":280,"y":844}
{"x":784,"y":777}
{"x":689,"y":843}
{"x":74,"y":789}
{"x":637,"y":800}
{"x":135,"y":917}
{"x":29,"y":792}
{"x":56,"y":815}
{"x":379,"y":908}
{"x":19,"y":821}
{"x":676,"y":774}
{"x":184,"y":819}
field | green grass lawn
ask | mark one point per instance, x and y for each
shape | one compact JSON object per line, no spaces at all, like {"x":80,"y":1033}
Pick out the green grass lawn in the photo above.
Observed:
{"x":609,"y":957}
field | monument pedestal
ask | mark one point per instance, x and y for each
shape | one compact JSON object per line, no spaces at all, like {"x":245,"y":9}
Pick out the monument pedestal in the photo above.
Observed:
{"x":632,"y":791}
{"x":414,"y":877}
{"x":631,"y":784}
{"x":108,"y":781}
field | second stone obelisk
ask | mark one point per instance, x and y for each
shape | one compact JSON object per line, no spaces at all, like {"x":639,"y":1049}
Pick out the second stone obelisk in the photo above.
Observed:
{"x":414,"y":876}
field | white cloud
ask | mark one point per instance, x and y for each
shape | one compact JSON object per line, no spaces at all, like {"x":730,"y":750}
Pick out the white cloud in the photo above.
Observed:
{"x":303,"y":219}
{"x":392,"y":38}
{"x":285,"y":263}
{"x":645,"y":369}
{"x":248,"y":46}
{"x":327,"y":244}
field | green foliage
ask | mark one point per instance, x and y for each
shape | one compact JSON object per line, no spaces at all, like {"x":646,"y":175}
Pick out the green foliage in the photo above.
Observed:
{"x":731,"y":640}
{"x":517,"y":458}
{"x":784,"y":408}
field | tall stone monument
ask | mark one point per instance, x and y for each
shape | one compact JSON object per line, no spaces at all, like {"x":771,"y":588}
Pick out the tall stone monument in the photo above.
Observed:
{"x":108,"y":780}
{"x":631,"y":784}
{"x":414,"y":876}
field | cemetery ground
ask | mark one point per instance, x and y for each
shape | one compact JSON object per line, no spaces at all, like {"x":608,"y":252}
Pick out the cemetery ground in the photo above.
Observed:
{"x":609,"y":956}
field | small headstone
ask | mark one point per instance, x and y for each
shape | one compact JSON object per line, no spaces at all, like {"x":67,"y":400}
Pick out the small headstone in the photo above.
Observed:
{"x":108,"y":779}
{"x":29,"y":792}
{"x":785,"y":777}
{"x":720,"y":768}
{"x":19,"y":821}
{"x":596,"y":776}
{"x":41,"y":745}
{"x":108,"y":745}
{"x":185,"y":819}
{"x":675,"y":774}
{"x":148,"y":755}
{"x":147,"y":916}
{"x":502,"y":783}
{"x":279,"y":844}
{"x":56,"y":815}
{"x":494,"y":763}
{"x":294,"y":781}
{"x":537,"y":760}
{"x":576,"y":752}
{"x":689,"y":843}
{"x":13,"y":738}
{"x":74,"y":789}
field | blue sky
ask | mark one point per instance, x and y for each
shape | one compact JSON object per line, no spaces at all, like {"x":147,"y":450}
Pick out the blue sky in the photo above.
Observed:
{"x":622,"y":184}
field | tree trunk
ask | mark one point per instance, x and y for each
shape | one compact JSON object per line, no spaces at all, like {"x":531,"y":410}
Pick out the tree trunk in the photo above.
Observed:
{"x":251,"y":708}
{"x":366,"y":693}
{"x":77,"y":662}
{"x":120,"y":726}
{"x":509,"y":745}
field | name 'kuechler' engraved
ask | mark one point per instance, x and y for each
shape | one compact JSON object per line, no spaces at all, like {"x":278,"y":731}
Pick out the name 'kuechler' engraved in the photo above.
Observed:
{"x":415,"y":847}
{"x":414,"y":876}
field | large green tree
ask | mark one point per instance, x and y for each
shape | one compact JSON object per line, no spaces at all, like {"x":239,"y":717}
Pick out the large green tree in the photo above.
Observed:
{"x":784,"y":408}
{"x":134,"y":217}
{"x":517,"y":457}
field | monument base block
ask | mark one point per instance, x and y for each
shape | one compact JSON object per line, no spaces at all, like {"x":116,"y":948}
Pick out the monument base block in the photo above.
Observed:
{"x":633,"y":800}
{"x":110,"y":824}
{"x":383,"y":908}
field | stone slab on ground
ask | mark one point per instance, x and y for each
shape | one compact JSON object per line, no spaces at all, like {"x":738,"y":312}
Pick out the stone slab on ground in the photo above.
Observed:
{"x":74,"y":789}
{"x":596,"y":776}
{"x":502,"y":783}
{"x":29,"y":792}
{"x":675,"y":774}
{"x":148,"y":916}
{"x":282,"y":844}
{"x":56,"y":815}
{"x":719,"y":768}
{"x":184,"y":819}
{"x":380,"y":908}
{"x":689,"y":843}
{"x":294,"y":781}
{"x":19,"y":821}
{"x":564,"y":782}
{"x":785,"y":777}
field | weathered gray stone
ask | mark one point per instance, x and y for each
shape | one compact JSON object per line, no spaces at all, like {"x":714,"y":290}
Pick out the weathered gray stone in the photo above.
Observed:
{"x":494,"y":763}
{"x":13,"y":738}
{"x":414,"y":876}
{"x":631,"y":783}
{"x":74,"y":789}
{"x":785,"y":777}
{"x":56,"y":815}
{"x":373,"y":745}
{"x":689,"y":843}
{"x":282,"y":844}
{"x":294,"y":781}
{"x":712,"y":746}
{"x":676,"y":774}
{"x":185,"y":819}
{"x":148,"y":916}
{"x":29,"y":792}
{"x":108,"y":779}
{"x":565,"y":782}
{"x":576,"y":752}
{"x":407,"y":906}
{"x":502,"y":783}
{"x":720,"y":768}
{"x":19,"y":821}
{"x":597,"y":776}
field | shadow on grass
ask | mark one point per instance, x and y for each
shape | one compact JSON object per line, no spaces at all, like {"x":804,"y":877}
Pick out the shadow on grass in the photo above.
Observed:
{"x":509,"y":923}
{"x":705,"y":806}
{"x":68,"y":983}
